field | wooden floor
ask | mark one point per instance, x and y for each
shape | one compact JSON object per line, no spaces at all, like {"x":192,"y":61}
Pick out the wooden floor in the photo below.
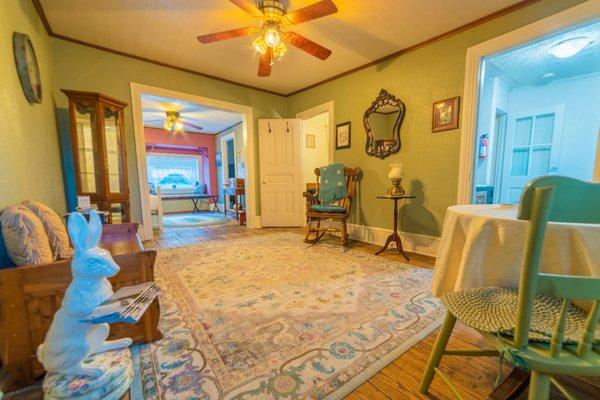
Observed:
{"x":475,"y":377}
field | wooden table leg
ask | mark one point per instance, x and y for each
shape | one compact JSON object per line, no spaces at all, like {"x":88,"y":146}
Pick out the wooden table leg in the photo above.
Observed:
{"x":394,"y":237}
{"x":195,"y":200}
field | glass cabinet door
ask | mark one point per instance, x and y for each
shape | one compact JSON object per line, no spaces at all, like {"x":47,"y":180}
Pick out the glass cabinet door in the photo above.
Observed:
{"x":114,"y":154}
{"x":87,"y":149}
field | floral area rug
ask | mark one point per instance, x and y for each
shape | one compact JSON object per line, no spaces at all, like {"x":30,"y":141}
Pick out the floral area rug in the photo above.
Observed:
{"x":268,"y":317}
{"x":194,"y":219}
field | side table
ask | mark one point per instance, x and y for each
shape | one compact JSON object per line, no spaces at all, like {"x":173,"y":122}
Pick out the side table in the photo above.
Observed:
{"x":394,"y":237}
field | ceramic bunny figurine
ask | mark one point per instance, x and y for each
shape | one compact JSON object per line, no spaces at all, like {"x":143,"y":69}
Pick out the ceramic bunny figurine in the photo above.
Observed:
{"x":70,"y":341}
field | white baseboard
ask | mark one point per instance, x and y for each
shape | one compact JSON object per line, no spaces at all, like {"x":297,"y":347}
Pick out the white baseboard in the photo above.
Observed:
{"x":412,"y":242}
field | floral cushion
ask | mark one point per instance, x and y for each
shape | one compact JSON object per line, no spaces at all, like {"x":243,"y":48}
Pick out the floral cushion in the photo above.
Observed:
{"x":110,"y":386}
{"x":54,"y":227}
{"x":24,"y":236}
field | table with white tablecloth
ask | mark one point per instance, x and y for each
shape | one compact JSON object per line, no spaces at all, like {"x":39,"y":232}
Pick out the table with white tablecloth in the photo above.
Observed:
{"x":482,"y":245}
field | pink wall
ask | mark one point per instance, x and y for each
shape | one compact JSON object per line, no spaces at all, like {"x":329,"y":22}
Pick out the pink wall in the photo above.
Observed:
{"x":188,"y":140}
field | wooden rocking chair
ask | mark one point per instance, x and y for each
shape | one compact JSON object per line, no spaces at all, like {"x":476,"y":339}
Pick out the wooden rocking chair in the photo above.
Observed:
{"x":339,"y":210}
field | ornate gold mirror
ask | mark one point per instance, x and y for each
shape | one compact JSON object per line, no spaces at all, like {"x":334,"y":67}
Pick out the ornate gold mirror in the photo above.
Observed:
{"x":382,"y":122}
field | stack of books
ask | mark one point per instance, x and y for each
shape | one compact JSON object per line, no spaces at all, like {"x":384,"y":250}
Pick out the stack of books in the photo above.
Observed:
{"x":127,"y":305}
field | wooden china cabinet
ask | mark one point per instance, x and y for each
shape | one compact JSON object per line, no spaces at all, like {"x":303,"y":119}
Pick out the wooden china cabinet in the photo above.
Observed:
{"x":100,"y":160}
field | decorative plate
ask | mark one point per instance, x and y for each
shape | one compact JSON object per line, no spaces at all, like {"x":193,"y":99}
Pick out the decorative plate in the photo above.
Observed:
{"x":27,"y":67}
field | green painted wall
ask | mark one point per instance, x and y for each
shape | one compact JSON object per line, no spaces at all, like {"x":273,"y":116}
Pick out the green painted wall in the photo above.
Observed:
{"x":30,"y":166}
{"x":84,"y":68}
{"x":430,"y":160}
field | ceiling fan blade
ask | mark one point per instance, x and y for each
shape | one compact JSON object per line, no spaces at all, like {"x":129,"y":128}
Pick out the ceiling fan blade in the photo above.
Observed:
{"x":155,"y":120}
{"x":234,"y":33}
{"x":197,"y":127}
{"x":264,"y":64}
{"x":307,"y":45}
{"x":249,"y":7}
{"x":314,"y":11}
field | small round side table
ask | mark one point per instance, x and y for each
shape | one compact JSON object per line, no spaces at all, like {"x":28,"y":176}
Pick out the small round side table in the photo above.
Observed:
{"x":394,"y":237}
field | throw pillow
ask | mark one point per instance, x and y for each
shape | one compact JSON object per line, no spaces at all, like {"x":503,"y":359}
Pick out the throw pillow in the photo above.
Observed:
{"x":24,"y":236}
{"x":54,"y":227}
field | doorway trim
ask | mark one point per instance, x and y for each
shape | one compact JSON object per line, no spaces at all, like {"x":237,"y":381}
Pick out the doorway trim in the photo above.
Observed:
{"x":320,"y":109}
{"x":307,"y":114}
{"x":587,"y":11}
{"x":225,"y":161}
{"x":137,"y":89}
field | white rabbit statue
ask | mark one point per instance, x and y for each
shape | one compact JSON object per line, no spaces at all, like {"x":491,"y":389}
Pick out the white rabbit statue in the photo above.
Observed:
{"x":70,"y":341}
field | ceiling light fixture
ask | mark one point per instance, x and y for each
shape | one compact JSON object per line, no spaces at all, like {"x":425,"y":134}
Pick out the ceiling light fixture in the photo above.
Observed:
{"x":173,"y":122}
{"x":270,"y":37}
{"x":569,"y":47}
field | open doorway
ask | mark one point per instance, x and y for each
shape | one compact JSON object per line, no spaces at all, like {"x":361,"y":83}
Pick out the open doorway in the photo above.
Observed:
{"x":538,"y":113}
{"x":178,"y":142}
{"x":317,"y":148}
{"x":231,"y":170}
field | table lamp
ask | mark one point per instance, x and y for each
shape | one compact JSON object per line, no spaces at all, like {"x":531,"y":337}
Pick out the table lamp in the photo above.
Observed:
{"x":395,"y":176}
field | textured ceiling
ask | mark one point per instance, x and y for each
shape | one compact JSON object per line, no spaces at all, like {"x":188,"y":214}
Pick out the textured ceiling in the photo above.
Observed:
{"x":165,"y":31}
{"x":210,"y":119}
{"x":525,"y":66}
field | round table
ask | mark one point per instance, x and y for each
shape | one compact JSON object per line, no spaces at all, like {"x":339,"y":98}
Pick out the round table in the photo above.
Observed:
{"x":482,"y":245}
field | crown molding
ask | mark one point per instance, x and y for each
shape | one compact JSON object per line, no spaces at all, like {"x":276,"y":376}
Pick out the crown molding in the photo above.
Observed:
{"x":507,"y":10}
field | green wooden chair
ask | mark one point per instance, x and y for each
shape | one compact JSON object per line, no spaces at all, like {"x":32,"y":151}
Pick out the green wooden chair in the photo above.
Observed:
{"x":547,"y":335}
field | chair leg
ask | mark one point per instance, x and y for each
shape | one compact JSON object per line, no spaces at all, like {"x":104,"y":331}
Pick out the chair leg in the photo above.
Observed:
{"x":308,"y":230}
{"x":539,"y":386}
{"x":344,"y":233}
{"x":436,"y":352}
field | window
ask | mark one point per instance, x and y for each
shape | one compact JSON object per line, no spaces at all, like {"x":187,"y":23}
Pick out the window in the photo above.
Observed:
{"x":174,"y":172}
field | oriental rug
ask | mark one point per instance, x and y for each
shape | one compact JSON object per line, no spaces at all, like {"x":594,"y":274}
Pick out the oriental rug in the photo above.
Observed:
{"x":269,"y":317}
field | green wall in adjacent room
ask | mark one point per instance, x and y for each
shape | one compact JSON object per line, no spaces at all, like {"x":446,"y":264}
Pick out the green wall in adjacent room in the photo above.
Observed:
{"x":85,"y":68}
{"x":30,"y":164}
{"x":420,"y":77}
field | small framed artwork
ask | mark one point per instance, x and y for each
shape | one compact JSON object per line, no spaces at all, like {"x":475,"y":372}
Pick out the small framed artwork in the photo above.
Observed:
{"x":342,"y":136}
{"x":219,"y":159}
{"x":445,"y":114}
{"x":310,"y":141}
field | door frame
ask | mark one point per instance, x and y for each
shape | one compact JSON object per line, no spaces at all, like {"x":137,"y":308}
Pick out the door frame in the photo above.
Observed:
{"x":313,"y":112}
{"x":563,"y":20}
{"x":225,"y":162}
{"x":137,"y":89}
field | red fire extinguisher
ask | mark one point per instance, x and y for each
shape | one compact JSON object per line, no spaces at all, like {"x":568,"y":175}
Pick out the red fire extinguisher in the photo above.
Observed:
{"x":483,"y":146}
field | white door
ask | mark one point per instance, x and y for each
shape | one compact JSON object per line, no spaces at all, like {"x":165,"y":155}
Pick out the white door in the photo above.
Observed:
{"x":280,"y":172}
{"x":532,"y":149}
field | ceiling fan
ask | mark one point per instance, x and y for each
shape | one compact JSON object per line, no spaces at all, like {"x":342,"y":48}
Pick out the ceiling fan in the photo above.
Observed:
{"x":173,"y":122}
{"x":274,"y":18}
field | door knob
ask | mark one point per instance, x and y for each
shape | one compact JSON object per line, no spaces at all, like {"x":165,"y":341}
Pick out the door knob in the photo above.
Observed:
{"x":264,"y":182}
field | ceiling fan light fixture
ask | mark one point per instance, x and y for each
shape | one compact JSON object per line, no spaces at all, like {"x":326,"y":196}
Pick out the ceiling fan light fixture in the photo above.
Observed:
{"x":178,"y":126}
{"x":260,"y":45}
{"x":272,"y":37}
{"x":570,"y":47}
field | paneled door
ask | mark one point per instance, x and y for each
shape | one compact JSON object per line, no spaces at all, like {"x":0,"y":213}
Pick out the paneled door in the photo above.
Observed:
{"x":532,"y":149}
{"x":280,"y":172}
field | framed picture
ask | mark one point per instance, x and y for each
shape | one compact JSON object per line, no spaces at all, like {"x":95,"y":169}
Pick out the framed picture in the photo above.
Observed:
{"x":219,"y":159}
{"x":310,"y":141}
{"x":342,"y":136}
{"x":445,"y":114}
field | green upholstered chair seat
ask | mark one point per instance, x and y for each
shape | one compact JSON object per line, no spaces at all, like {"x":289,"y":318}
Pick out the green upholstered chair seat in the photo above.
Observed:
{"x":325,"y":208}
{"x":493,"y":310}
